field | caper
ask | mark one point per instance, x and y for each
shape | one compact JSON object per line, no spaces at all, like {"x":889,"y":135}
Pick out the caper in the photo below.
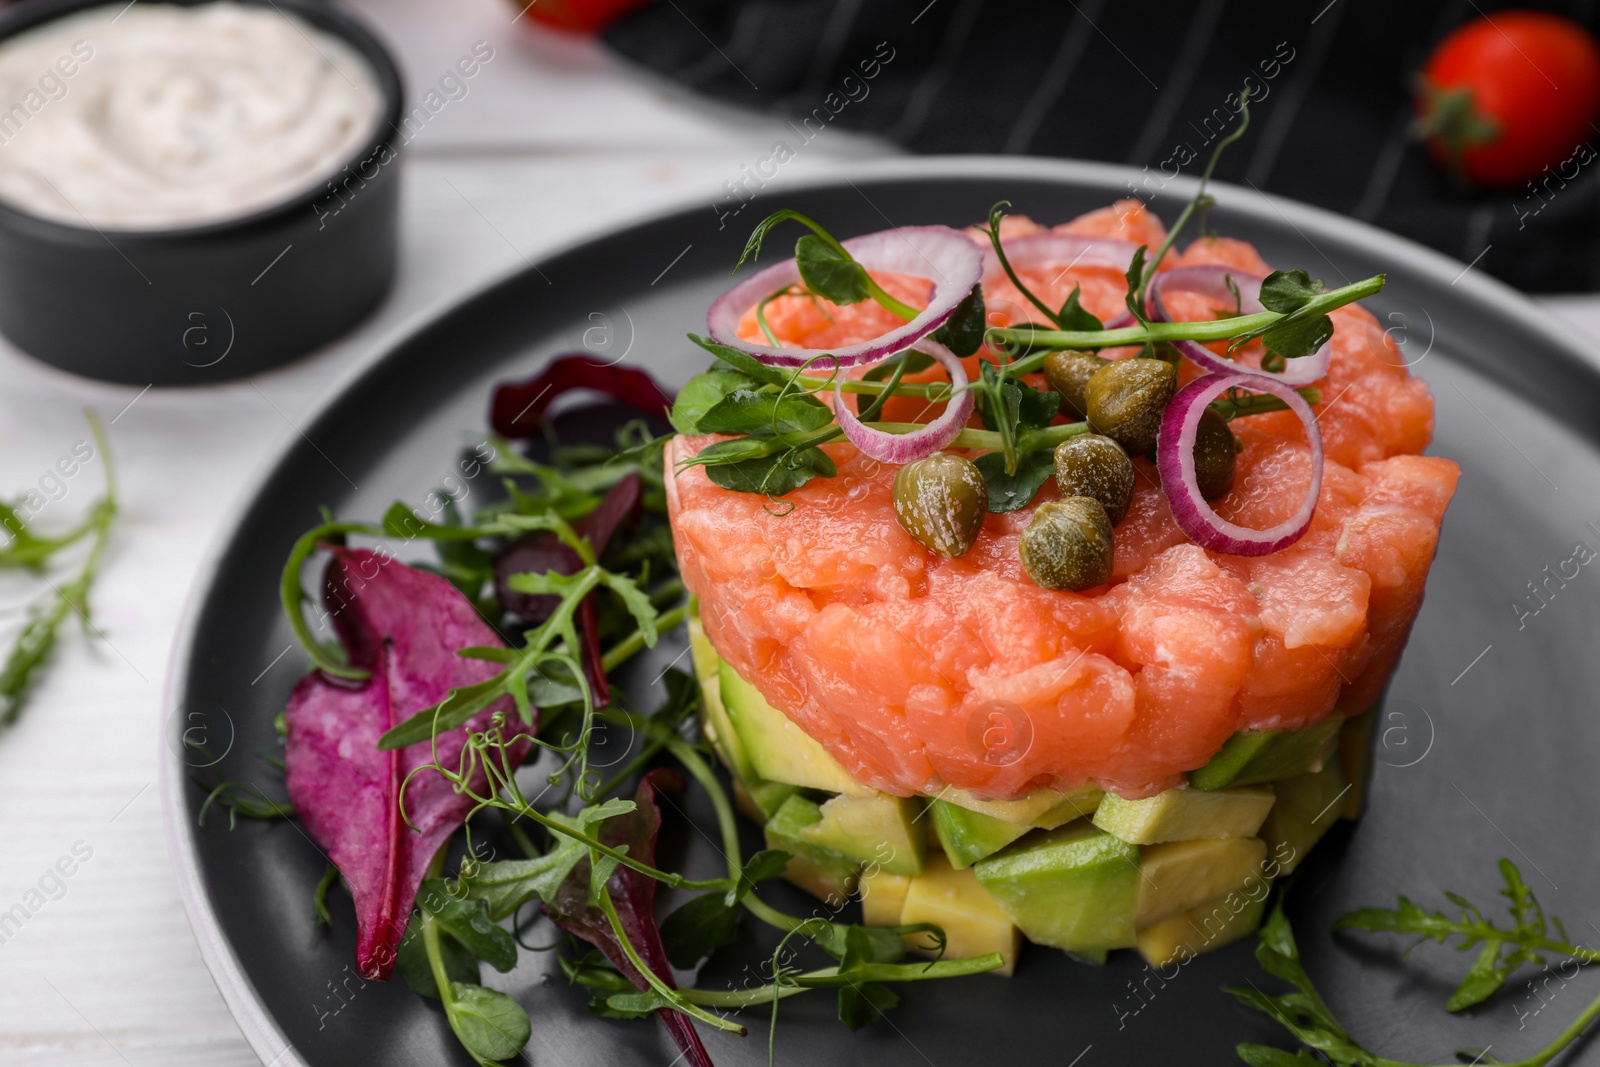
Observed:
{"x":941,"y":500}
{"x":1126,"y":398}
{"x":1069,"y":545}
{"x":1068,"y":374}
{"x":1214,"y":451}
{"x":1096,"y":466}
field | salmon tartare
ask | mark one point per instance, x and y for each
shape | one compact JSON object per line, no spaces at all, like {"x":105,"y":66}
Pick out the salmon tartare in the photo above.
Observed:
{"x":924,"y":710}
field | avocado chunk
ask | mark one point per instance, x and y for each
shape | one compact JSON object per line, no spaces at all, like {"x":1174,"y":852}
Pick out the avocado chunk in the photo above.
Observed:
{"x":1205,"y":928}
{"x":714,"y":721}
{"x":1185,"y":814}
{"x":883,"y":896}
{"x":1043,"y":808}
{"x":760,"y":800}
{"x":1355,"y":758}
{"x":779,"y":750}
{"x":968,"y":837}
{"x":879,"y":830}
{"x":1308,"y":804}
{"x":1252,"y":756}
{"x":959,"y":904}
{"x":1075,"y":888}
{"x":1179,"y":875}
{"x":820,"y":871}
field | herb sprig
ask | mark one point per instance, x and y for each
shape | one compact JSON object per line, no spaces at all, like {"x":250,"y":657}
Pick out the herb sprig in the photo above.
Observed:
{"x":44,"y":615}
{"x":1502,"y":951}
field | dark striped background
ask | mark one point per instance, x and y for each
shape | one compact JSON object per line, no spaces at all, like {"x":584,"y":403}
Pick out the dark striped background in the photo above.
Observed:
{"x":1130,"y":82}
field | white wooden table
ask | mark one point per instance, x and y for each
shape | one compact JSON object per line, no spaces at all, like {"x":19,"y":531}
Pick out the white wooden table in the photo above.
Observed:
{"x":554,"y":139}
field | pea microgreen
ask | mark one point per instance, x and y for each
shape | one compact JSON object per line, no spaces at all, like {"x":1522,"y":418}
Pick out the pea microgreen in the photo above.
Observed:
{"x":825,"y":265}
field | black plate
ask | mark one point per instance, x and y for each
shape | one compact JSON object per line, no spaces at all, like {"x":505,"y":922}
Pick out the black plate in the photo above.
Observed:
{"x":1488,"y":740}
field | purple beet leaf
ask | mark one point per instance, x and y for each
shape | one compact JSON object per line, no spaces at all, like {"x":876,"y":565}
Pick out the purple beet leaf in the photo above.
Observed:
{"x":543,"y":551}
{"x":634,"y":896}
{"x":518,"y":407}
{"x":404,"y":626}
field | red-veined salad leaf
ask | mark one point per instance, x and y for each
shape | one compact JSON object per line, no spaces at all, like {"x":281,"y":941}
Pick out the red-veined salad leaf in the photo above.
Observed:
{"x":543,"y":551}
{"x":634,"y":896}
{"x":404,"y":626}
{"x":518,"y":408}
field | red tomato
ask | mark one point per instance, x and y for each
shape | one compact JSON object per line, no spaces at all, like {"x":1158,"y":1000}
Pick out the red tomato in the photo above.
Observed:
{"x":578,"y":16}
{"x":1509,"y":94}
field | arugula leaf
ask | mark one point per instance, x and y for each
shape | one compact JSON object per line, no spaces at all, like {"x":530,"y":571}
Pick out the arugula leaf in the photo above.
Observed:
{"x":1503,"y":950}
{"x":962,"y":332}
{"x":701,"y":393}
{"x":1073,"y":316}
{"x":1009,"y":492}
{"x":460,"y":965}
{"x":829,"y":272}
{"x":773,"y":476}
{"x":756,"y":410}
{"x":1303,"y":1013}
{"x":1308,"y":1018}
{"x":44,"y":615}
{"x":468,"y":922}
{"x":506,"y":885}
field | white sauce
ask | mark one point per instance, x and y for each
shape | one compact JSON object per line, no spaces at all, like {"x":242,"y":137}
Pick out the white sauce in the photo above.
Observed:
{"x":165,"y":117}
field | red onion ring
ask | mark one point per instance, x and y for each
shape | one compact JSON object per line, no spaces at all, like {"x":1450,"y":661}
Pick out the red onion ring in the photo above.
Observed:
{"x":905,"y":447}
{"x":1210,"y":280}
{"x":949,"y":258}
{"x":1175,"y":461}
{"x":1065,"y":250}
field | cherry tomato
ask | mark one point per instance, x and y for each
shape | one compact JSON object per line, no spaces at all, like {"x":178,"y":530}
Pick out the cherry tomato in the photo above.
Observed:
{"x":1509,"y":94}
{"x":577,"y":16}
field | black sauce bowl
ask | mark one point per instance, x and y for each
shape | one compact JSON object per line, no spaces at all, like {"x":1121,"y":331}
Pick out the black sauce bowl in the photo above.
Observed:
{"x":222,"y":300}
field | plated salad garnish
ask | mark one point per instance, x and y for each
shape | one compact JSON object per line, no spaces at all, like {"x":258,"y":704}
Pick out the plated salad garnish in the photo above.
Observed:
{"x":1039,"y":585}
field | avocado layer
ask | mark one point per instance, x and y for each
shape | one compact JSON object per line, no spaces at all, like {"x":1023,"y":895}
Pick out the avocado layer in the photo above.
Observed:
{"x":714,"y":721}
{"x":1180,"y":875}
{"x":883,"y":896}
{"x":1355,"y":758}
{"x":1205,"y":928}
{"x":1253,"y":756}
{"x":957,"y":902}
{"x":1043,"y":808}
{"x":821,"y":871}
{"x":1075,"y":888}
{"x":779,"y":750}
{"x":1185,"y":814}
{"x":967,"y":836}
{"x":1308,"y":804}
{"x":880,"y":830}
